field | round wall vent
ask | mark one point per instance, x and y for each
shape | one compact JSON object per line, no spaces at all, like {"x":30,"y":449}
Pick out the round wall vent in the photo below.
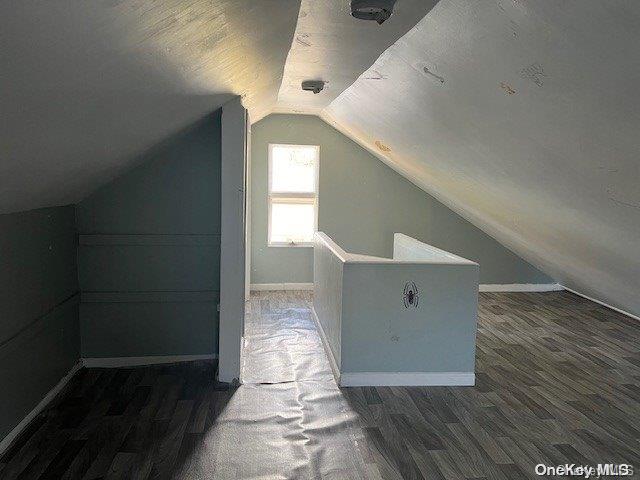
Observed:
{"x":378,"y":10}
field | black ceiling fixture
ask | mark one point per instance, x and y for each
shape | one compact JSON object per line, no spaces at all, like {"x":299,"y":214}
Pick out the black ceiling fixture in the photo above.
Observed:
{"x":315,"y":86}
{"x":378,"y":10}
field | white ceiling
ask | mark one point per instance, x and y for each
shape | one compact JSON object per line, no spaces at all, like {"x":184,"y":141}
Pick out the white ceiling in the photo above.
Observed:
{"x":521,"y":115}
{"x":88,"y":85}
{"x":330,"y":45}
{"x":526,"y":122}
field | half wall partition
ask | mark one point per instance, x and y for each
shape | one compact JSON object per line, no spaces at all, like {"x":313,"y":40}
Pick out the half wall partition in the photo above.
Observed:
{"x":406,"y":320}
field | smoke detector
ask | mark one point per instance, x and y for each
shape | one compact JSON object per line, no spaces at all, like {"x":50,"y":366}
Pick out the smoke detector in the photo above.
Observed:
{"x":315,"y":86}
{"x":378,"y":10}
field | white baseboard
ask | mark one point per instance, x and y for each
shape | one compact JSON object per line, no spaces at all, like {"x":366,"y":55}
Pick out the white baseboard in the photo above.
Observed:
{"x":327,"y":348}
{"x":389,"y":379}
{"x":407,"y":379}
{"x":113,"y":362}
{"x":619,"y":310}
{"x":261,"y":287}
{"x":13,"y":434}
{"x":520,"y":287}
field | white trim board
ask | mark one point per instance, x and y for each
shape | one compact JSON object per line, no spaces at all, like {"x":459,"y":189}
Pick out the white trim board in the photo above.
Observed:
{"x":486,"y":287}
{"x":233,"y":169}
{"x":407,"y":379}
{"x":13,"y":434}
{"x":261,"y":287}
{"x":619,"y":310}
{"x":520,"y":287}
{"x":391,"y":379}
{"x":113,"y":362}
{"x":327,"y":349}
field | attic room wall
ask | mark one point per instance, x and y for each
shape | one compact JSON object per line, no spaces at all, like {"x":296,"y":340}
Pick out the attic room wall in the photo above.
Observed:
{"x":362,"y":203}
{"x":149,"y":253}
{"x":505,"y":112}
{"x":39,"y":335}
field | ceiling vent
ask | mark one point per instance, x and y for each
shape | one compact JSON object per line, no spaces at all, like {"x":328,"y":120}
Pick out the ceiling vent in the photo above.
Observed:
{"x":378,"y":10}
{"x":315,"y":86}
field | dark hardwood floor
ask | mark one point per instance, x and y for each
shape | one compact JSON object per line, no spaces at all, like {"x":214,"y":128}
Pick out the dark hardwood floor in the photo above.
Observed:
{"x":558,"y":381}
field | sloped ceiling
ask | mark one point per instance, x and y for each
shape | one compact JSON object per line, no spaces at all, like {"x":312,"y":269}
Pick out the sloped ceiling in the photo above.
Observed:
{"x":330,"y":45}
{"x":88,"y":85}
{"x":521,"y":115}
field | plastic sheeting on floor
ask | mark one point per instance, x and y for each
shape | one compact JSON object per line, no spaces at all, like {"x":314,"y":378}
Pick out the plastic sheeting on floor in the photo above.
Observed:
{"x":281,"y":341}
{"x":288,"y":419}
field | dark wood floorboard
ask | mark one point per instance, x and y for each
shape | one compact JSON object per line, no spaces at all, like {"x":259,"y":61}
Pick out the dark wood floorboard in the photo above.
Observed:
{"x":558,"y":381}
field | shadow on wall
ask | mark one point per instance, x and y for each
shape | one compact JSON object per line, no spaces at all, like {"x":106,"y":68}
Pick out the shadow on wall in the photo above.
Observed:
{"x":97,"y":83}
{"x":39,"y":338}
{"x":95,"y":143}
{"x":149,"y":252}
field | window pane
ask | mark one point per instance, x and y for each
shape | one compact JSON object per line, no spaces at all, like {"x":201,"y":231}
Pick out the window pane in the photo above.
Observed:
{"x":293,"y":169}
{"x":292,"y":222}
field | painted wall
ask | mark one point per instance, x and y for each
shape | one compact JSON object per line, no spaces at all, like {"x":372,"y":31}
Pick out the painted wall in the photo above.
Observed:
{"x":39,"y":336}
{"x":501,"y":112}
{"x":362,"y":204}
{"x":368,"y":328}
{"x":380,"y":335}
{"x":149,"y":253}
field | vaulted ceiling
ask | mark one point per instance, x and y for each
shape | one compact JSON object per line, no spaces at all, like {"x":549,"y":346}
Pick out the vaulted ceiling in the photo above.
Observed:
{"x":521,"y":115}
{"x":88,"y":85}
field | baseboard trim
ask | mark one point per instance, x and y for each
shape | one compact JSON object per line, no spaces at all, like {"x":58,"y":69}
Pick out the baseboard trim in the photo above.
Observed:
{"x":114,"y":362}
{"x":619,"y":310}
{"x":262,"y":287}
{"x":327,"y":349}
{"x":407,"y":379}
{"x":7,"y":441}
{"x":520,"y":287}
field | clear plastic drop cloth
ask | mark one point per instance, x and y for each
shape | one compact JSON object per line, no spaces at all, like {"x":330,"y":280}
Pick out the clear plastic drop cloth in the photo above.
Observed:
{"x":288,"y":419}
{"x":281,"y":341}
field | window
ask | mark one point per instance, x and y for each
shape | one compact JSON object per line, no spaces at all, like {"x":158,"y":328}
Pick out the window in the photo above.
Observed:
{"x":293,"y":194}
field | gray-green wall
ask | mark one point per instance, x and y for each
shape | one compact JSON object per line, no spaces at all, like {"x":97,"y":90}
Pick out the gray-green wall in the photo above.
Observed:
{"x":149,"y":253}
{"x":362,"y":203}
{"x":39,"y":337}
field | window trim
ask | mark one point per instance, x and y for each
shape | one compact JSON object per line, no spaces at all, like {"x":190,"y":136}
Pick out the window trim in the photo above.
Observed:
{"x":295,"y":197}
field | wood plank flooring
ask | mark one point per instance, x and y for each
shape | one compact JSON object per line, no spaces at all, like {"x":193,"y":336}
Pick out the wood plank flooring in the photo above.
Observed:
{"x":558,"y":381}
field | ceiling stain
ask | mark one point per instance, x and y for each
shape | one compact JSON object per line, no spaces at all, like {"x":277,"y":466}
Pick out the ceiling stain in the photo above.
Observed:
{"x":382,"y":147}
{"x":507,"y":88}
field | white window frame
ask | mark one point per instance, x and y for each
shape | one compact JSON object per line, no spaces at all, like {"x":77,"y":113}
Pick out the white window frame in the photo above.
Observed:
{"x":292,"y":197}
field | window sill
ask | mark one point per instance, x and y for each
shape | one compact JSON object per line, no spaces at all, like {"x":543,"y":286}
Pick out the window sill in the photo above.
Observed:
{"x":291,"y":245}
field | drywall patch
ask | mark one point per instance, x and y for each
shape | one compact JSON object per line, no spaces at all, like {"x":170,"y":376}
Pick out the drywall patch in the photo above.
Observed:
{"x":507,"y":88}
{"x":534,"y":72}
